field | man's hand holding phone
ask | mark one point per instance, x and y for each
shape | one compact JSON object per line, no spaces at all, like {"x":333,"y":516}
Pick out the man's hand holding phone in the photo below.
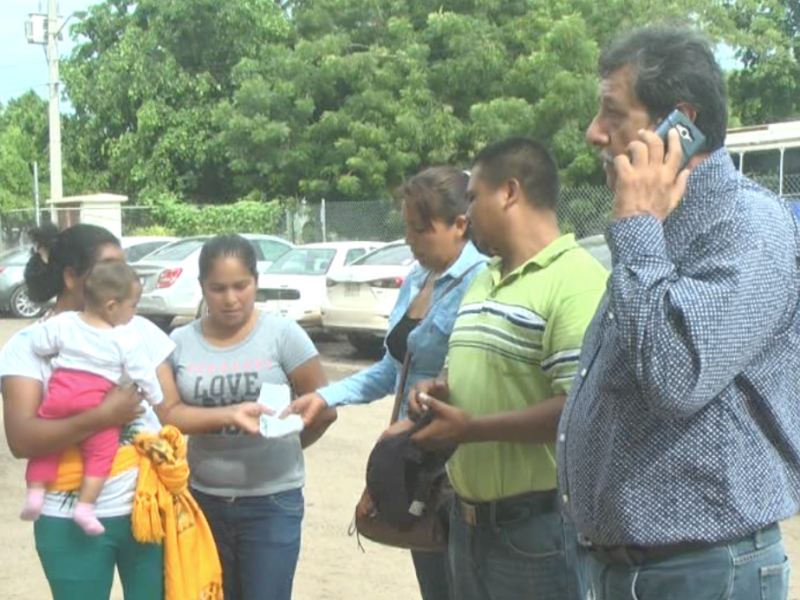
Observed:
{"x":649,"y":177}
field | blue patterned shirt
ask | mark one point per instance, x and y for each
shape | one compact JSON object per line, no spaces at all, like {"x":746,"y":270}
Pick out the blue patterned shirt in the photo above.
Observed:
{"x":684,"y":421}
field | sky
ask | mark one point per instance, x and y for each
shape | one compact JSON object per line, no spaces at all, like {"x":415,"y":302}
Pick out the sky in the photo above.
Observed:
{"x":23,"y":65}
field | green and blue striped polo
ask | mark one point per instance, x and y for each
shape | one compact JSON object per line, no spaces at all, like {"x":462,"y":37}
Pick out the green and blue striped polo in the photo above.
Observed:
{"x":515,"y":343}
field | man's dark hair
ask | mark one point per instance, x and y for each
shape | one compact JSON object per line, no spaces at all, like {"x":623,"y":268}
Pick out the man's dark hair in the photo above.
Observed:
{"x":671,"y":65}
{"x":526,"y":160}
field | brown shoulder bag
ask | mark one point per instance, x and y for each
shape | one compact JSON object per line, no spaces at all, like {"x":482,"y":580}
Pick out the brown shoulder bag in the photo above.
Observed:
{"x":429,"y":532}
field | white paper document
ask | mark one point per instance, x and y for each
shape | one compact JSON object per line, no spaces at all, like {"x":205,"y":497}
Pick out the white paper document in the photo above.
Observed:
{"x":277,"y":397}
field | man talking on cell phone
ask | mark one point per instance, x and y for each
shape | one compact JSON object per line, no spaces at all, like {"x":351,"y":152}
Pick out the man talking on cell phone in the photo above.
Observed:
{"x":679,"y":446}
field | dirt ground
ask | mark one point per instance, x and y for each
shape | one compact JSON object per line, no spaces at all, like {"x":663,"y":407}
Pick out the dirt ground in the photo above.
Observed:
{"x":331,"y":565}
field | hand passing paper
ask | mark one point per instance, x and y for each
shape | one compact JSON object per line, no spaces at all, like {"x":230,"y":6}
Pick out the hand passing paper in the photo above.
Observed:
{"x":277,"y":397}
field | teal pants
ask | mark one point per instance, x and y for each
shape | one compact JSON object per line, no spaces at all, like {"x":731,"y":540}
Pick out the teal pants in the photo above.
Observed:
{"x":81,"y":567}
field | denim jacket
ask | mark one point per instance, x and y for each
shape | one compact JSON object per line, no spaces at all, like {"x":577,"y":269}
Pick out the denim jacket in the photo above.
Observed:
{"x":427,"y":342}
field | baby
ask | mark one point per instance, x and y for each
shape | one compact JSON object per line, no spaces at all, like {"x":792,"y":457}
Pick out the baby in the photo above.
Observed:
{"x":92,"y":351}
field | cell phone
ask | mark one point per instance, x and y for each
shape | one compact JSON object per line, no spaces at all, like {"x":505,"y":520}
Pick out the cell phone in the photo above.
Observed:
{"x":692,"y":139}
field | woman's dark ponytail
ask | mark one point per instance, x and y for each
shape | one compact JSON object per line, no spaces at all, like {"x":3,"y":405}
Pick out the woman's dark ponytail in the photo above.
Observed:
{"x":43,"y":278}
{"x":76,"y":247}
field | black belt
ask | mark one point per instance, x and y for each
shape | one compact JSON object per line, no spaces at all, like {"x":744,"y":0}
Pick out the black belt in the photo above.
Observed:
{"x":507,"y":510}
{"x":636,"y":556}
{"x":642,"y":555}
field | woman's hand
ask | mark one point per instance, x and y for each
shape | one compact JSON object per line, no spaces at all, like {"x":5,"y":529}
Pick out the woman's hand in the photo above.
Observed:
{"x":246,"y":416}
{"x":312,"y":434}
{"x":120,"y":406}
{"x":309,"y":407}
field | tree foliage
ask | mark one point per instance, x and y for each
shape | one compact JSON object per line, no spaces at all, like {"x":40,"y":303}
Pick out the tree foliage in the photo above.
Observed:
{"x":341,"y":99}
{"x":23,"y":141}
{"x":766,"y":35}
{"x":175,"y":217}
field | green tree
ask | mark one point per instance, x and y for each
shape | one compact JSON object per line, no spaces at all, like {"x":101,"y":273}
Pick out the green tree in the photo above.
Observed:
{"x":766,"y":37}
{"x":15,"y":172}
{"x":343,"y":99}
{"x":23,"y":141}
{"x":144,"y":82}
{"x":370,"y":92}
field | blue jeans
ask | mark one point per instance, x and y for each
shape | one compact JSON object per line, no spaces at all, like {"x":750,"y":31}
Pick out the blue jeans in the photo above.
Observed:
{"x":752,"y":568}
{"x":258,"y":540}
{"x":522,"y":559}
{"x":433,"y":575}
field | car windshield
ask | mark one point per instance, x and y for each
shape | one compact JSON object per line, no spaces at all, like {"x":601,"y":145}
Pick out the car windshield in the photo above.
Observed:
{"x":304,"y":261}
{"x":399,"y":255}
{"x":177,"y":251}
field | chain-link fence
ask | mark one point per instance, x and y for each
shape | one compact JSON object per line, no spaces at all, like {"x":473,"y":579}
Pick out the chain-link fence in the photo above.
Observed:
{"x":129,"y":220}
{"x":791,"y":187}
{"x":583,"y":210}
{"x":15,"y":224}
{"x":788,"y":187}
{"x":366,"y":220}
{"x":124,"y":221}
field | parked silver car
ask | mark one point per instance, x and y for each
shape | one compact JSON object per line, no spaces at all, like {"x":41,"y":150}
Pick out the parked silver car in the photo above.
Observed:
{"x":170,"y":286}
{"x":13,"y":293}
{"x":136,"y":248}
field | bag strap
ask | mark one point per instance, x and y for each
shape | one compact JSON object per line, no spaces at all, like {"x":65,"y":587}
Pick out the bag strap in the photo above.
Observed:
{"x":460,"y":278}
{"x":401,"y":389}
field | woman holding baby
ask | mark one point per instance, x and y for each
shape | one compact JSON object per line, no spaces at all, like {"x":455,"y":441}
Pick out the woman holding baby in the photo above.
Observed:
{"x":249,"y":487}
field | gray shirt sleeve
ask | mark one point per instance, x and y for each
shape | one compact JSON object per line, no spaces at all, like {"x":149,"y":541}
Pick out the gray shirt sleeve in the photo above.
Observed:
{"x":295,"y":347}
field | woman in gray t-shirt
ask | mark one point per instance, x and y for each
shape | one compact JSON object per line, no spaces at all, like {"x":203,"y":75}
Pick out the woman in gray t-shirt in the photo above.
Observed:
{"x":249,"y":487}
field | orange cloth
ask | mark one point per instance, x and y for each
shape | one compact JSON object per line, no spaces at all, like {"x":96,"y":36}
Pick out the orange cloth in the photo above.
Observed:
{"x":164,"y":511}
{"x":70,"y":469}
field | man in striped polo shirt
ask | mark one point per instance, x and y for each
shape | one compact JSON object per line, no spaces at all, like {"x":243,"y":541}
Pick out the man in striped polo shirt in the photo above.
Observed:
{"x":512,"y":356}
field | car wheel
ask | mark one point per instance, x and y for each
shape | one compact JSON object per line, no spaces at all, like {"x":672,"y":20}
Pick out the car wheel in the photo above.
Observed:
{"x":22,"y":307}
{"x":366,"y":344}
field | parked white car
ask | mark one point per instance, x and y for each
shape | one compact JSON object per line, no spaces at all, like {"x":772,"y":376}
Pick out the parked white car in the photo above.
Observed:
{"x":294,"y":286}
{"x":137,"y":247}
{"x":170,"y":275}
{"x":361,"y":295}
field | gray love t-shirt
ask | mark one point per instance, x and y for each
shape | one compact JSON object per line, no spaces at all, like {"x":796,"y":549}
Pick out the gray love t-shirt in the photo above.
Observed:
{"x":228,"y":462}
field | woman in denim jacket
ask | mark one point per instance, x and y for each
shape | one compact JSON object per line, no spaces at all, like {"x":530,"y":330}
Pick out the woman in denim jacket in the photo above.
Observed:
{"x":434,"y":210}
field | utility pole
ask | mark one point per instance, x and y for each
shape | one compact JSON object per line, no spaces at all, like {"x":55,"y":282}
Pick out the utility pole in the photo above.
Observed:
{"x":53,"y":30}
{"x":44,"y":29}
{"x":36,"y":193}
